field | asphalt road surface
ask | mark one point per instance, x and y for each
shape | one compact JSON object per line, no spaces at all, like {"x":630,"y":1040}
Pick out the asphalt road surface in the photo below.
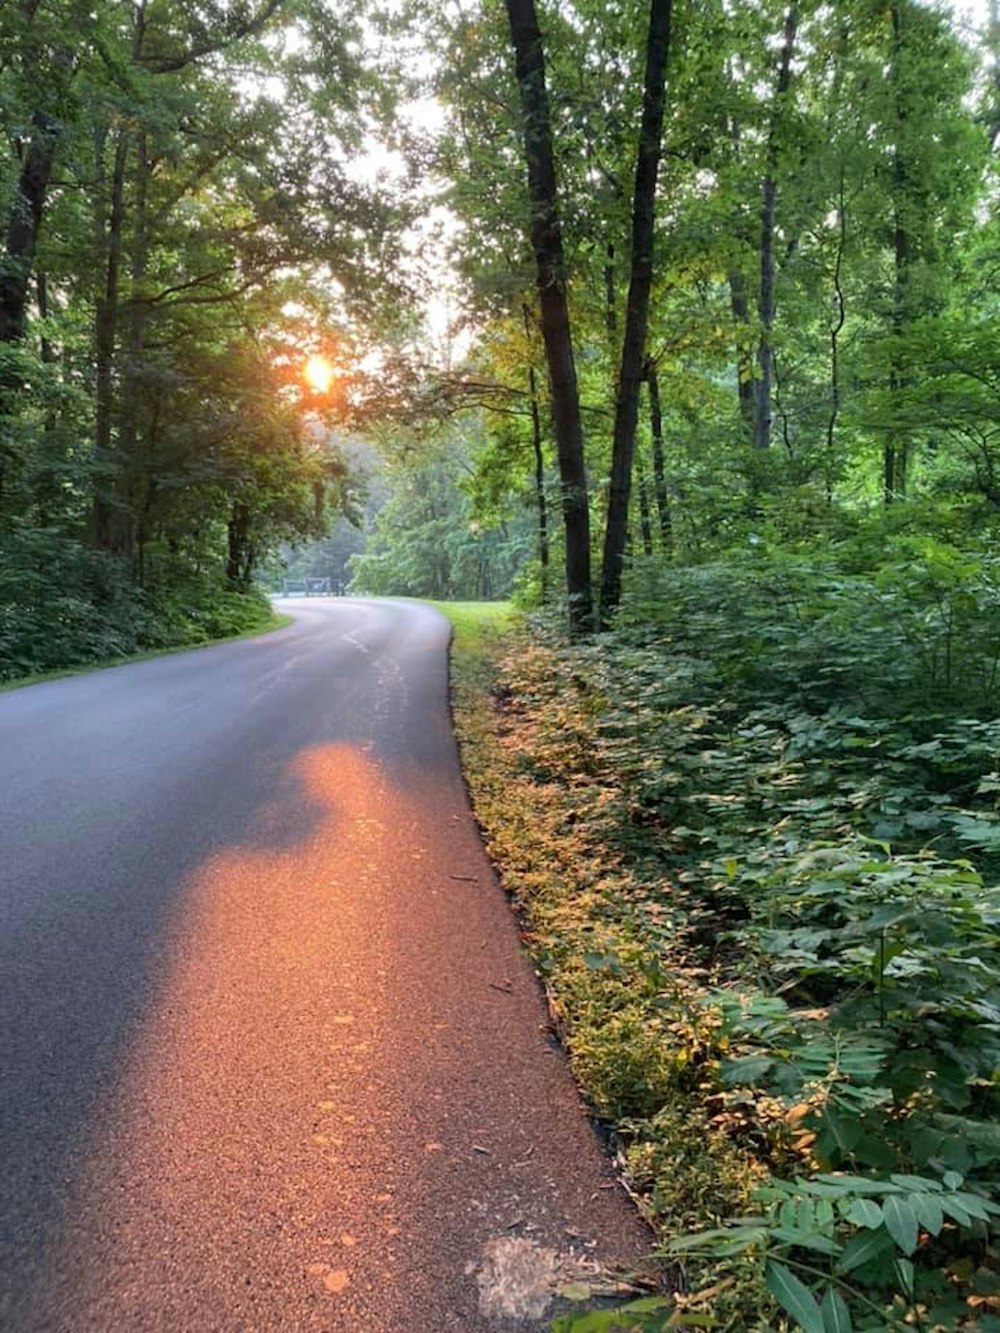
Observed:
{"x":270,"y":1058}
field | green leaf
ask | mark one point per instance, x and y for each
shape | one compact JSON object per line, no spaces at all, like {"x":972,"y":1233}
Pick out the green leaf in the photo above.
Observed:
{"x":858,"y":1184}
{"x":575,"y":1291}
{"x":845,"y":1130}
{"x":872,"y":1150}
{"x":929,"y":1213}
{"x":836,"y":1316}
{"x":974,"y":1205}
{"x":728,"y":1240}
{"x":646,"y":1305}
{"x":745,"y":1069}
{"x":905,"y":1275}
{"x":808,"y":1240}
{"x":794,"y":1296}
{"x":824,"y":1215}
{"x":864,"y":1248}
{"x":921,"y":1183}
{"x":864,"y":1213}
{"x":953,"y":1207}
{"x":901,"y":1221}
{"x":594,"y":1321}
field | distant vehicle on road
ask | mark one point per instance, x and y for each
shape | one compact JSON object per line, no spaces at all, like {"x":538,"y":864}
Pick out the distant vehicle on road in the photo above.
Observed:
{"x":311,"y":587}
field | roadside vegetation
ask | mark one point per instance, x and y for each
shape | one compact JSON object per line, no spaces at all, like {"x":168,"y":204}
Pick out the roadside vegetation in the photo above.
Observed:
{"x":202,"y":631}
{"x":754,"y":831}
{"x":49,"y":624}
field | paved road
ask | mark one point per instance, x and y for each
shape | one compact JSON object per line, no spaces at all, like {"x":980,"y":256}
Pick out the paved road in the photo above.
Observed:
{"x":270,"y":1058}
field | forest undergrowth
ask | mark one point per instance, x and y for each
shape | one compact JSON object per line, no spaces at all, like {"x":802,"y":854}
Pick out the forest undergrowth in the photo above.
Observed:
{"x":755,"y":834}
{"x":64,"y":607}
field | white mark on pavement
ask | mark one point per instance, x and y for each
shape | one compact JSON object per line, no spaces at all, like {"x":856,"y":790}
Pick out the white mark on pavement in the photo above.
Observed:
{"x":516,"y":1279}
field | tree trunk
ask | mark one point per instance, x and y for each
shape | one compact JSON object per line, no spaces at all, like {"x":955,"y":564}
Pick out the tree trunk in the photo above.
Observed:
{"x":134,"y":477}
{"x":637,"y":307}
{"x":24,"y":225}
{"x":546,"y":241}
{"x":28,"y":204}
{"x":48,"y":486}
{"x":740,"y":307}
{"x":993,"y":49}
{"x":16,"y":264}
{"x":836,"y":328}
{"x":895,"y":458}
{"x":769,"y":195}
{"x":610,"y":294}
{"x":659,"y":460}
{"x":739,"y":304}
{"x":541,"y":503}
{"x":105,"y":333}
{"x":239,"y":559}
{"x":645,"y":518}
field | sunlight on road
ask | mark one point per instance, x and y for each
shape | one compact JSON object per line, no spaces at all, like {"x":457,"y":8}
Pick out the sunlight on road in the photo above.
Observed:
{"x":266,"y":1066}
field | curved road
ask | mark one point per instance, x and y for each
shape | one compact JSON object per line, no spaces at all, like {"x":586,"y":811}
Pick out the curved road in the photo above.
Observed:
{"x":269,"y":1056}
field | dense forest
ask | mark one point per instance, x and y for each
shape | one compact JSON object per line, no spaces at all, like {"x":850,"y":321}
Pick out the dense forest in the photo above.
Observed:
{"x":679,"y":323}
{"x":183,"y":223}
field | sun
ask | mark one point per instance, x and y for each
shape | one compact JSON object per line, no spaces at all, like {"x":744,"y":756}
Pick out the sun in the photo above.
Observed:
{"x":319,"y":372}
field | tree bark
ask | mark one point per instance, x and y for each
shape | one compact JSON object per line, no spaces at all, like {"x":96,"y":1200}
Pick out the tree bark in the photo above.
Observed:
{"x":637,"y":306}
{"x":836,"y":328}
{"x":105,"y":335}
{"x":895,"y":455}
{"x":28,"y":204}
{"x":134,"y":476}
{"x":739,"y":304}
{"x":645,"y":517}
{"x":24,"y":225}
{"x":541,"y":503}
{"x":239,"y":561}
{"x":766,"y":306}
{"x":546,"y":241}
{"x":659,"y":459}
{"x":993,"y":48}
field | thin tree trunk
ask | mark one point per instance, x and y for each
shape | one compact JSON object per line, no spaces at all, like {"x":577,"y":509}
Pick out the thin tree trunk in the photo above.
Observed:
{"x":645,"y":518}
{"x":836,"y":328}
{"x":48,"y":485}
{"x":993,"y":49}
{"x":740,"y":306}
{"x":546,"y":241}
{"x":105,"y":334}
{"x":239,"y":561}
{"x":896,"y":460}
{"x":769,"y":195}
{"x":637,"y":307}
{"x":541,"y":503}
{"x":134,"y":478}
{"x":659,"y":459}
{"x":610,"y":293}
